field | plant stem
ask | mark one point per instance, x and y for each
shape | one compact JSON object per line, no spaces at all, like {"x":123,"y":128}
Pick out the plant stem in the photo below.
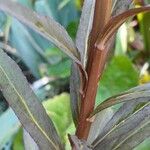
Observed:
{"x":96,"y":63}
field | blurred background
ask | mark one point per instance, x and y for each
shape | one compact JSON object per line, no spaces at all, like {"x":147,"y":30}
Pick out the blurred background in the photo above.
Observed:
{"x":48,"y":70}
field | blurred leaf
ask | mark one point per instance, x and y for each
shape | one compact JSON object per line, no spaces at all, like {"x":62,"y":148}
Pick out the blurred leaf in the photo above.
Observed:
{"x":72,"y":29}
{"x":123,"y":112}
{"x":45,"y":26}
{"x":119,"y":76}
{"x":62,"y":69}
{"x":58,"y":109}
{"x":84,"y":29}
{"x":144,"y":28}
{"x":64,"y":15}
{"x":144,"y":145}
{"x":21,"y":98}
{"x":121,"y":40}
{"x":63,"y":4}
{"x":29,"y":143}
{"x":18,"y":141}
{"x":9,"y":127}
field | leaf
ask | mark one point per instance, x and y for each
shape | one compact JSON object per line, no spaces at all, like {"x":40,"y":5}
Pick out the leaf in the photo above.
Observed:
{"x":114,"y":23}
{"x":75,"y":81}
{"x":79,"y":144}
{"x":26,"y":47}
{"x":125,"y":129}
{"x":18,"y":141}
{"x":144,"y":145}
{"x":45,"y":26}
{"x":84,"y":29}
{"x":136,"y":139}
{"x":58,"y":109}
{"x":124,"y":97}
{"x":100,"y":121}
{"x":23,"y":101}
{"x":121,"y":44}
{"x":9,"y":127}
{"x":121,"y":99}
{"x":124,"y":111}
{"x":29,"y":143}
{"x":120,"y":79}
{"x":120,"y":6}
{"x":144,"y":24}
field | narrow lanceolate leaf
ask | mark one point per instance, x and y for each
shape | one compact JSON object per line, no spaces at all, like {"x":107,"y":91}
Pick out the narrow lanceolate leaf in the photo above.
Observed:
{"x":115,"y":22}
{"x":29,"y":143}
{"x":143,"y":87}
{"x":43,"y":25}
{"x":79,"y":144}
{"x":75,"y":82}
{"x":120,"y":6}
{"x":100,"y":121}
{"x":125,"y":97}
{"x":126,"y":129}
{"x":25,"y":104}
{"x":135,"y":139}
{"x":124,"y":111}
{"x":84,"y":29}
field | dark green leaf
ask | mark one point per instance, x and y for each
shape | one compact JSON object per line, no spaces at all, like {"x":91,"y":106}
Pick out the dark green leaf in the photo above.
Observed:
{"x":79,"y":144}
{"x":58,"y":109}
{"x":29,"y":143}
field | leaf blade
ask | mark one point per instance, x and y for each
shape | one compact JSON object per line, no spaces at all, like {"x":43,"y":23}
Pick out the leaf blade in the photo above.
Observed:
{"x":114,"y":23}
{"x":125,"y":129}
{"x":84,"y":29}
{"x":23,"y":101}
{"x":75,"y":81}
{"x":135,"y":94}
{"x":45,"y":26}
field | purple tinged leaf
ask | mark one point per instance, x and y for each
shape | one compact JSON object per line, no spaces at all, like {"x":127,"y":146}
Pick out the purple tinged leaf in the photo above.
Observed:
{"x":125,"y":130}
{"x":113,"y":25}
{"x":45,"y":26}
{"x":25,"y":104}
{"x":84,"y":29}
{"x":75,"y":81}
{"x":120,"y":6}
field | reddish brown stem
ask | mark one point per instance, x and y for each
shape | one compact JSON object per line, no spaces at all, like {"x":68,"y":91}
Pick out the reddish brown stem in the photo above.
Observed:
{"x":96,"y":62}
{"x":88,"y":102}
